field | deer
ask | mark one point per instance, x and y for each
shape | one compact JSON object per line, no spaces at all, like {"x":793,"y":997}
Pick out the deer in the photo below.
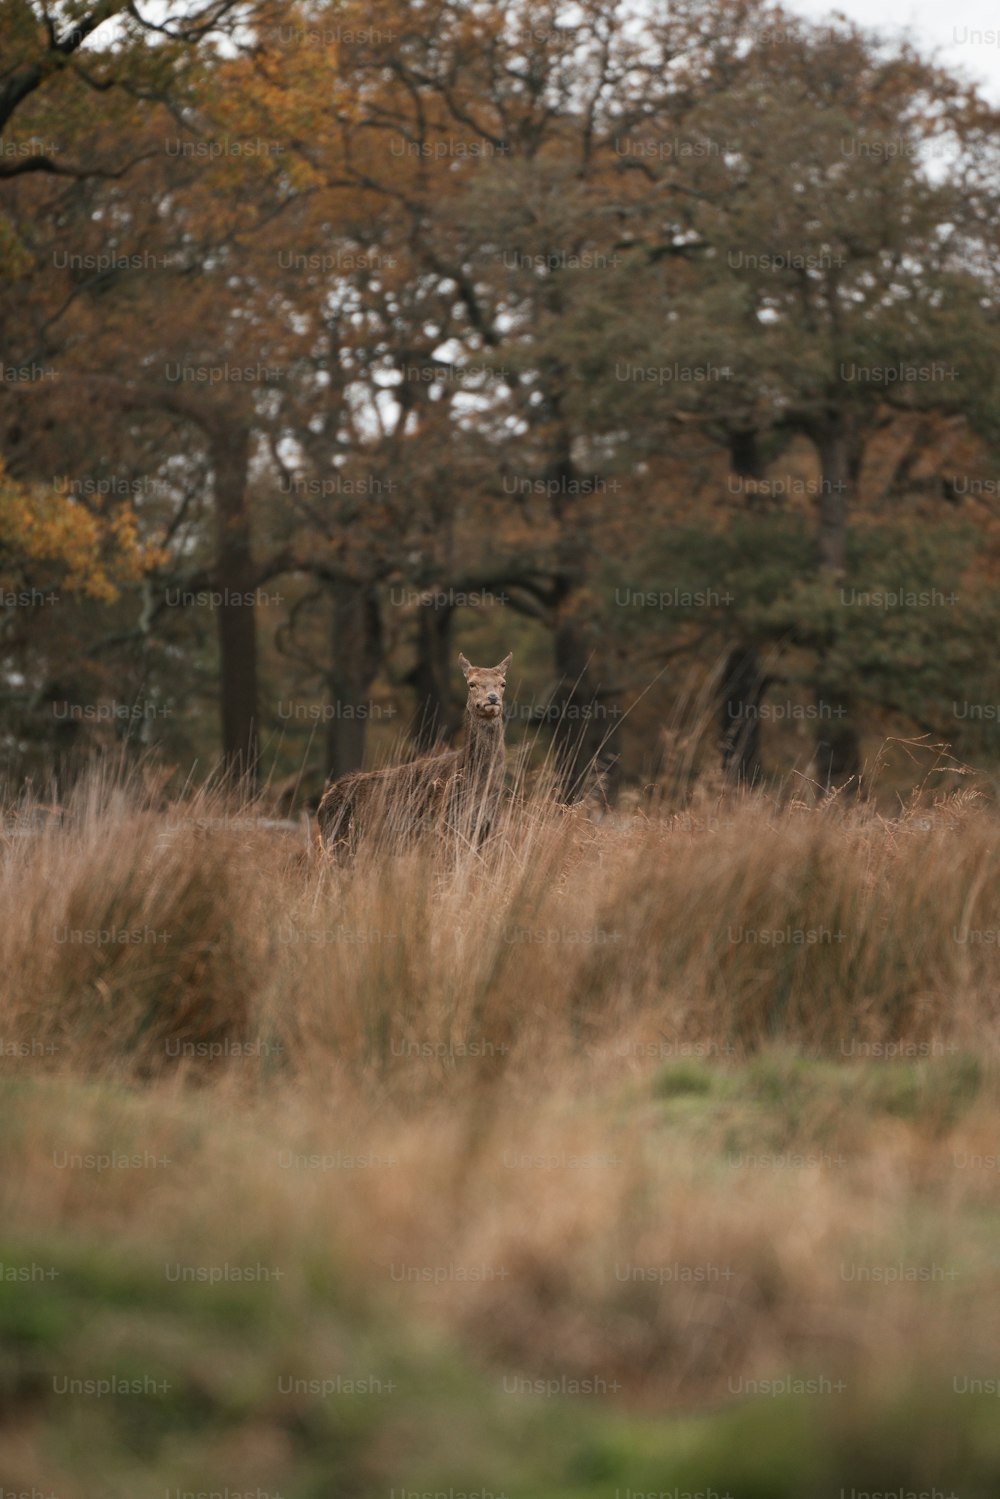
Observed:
{"x":455,"y":792}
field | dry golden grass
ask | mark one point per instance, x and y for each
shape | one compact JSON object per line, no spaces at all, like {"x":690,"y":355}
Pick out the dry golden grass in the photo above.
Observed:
{"x":130,"y":936}
{"x":563,"y":1102}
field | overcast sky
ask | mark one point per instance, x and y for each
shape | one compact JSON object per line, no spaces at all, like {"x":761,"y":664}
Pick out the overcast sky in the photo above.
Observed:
{"x":947,"y":25}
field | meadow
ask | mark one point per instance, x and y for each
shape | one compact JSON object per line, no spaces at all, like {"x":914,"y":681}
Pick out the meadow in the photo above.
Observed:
{"x":642,"y":1154}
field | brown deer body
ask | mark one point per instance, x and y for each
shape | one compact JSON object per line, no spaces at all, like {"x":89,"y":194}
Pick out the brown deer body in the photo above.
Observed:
{"x":457,"y":792}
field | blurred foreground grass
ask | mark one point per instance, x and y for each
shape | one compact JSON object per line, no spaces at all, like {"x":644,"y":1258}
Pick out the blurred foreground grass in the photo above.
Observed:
{"x":539,"y":1174}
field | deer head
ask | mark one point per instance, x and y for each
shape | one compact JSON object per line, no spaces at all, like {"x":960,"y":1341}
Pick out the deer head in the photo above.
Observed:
{"x":486,"y":687}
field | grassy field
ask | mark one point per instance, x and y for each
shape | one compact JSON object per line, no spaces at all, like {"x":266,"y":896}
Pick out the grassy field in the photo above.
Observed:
{"x":650,"y":1156}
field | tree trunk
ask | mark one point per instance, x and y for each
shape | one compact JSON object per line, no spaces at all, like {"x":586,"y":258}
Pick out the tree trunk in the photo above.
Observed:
{"x":742,"y":688}
{"x":356,"y":655}
{"x":744,"y":456}
{"x":838,"y":469}
{"x":235,"y":609}
{"x":435,"y":719}
{"x":580,"y":721}
{"x":743,"y":685}
{"x":838,"y":751}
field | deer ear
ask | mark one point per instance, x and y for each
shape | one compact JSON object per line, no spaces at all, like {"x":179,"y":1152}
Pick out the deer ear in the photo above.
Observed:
{"x":505,"y":662}
{"x":465,"y":665}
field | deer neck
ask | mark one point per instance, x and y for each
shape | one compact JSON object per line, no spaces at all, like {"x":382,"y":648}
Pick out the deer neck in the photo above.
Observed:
{"x":483,"y":751}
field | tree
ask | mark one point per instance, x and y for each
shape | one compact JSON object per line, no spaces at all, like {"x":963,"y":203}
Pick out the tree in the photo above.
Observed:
{"x":860,"y":268}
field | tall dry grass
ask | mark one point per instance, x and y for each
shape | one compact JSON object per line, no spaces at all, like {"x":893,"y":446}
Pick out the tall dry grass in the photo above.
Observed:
{"x":651,"y":1042}
{"x":134,"y":939}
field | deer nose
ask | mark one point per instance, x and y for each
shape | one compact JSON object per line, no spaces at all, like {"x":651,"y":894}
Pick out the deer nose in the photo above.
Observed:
{"x":492,"y":697}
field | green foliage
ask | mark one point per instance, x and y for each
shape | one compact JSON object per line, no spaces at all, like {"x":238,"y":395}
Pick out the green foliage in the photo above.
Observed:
{"x":904,"y":628}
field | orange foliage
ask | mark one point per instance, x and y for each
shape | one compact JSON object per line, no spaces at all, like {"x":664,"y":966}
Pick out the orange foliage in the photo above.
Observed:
{"x":94,"y":554}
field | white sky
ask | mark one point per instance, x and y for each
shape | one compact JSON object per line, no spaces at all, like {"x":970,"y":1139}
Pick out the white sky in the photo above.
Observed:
{"x":945,"y":27}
